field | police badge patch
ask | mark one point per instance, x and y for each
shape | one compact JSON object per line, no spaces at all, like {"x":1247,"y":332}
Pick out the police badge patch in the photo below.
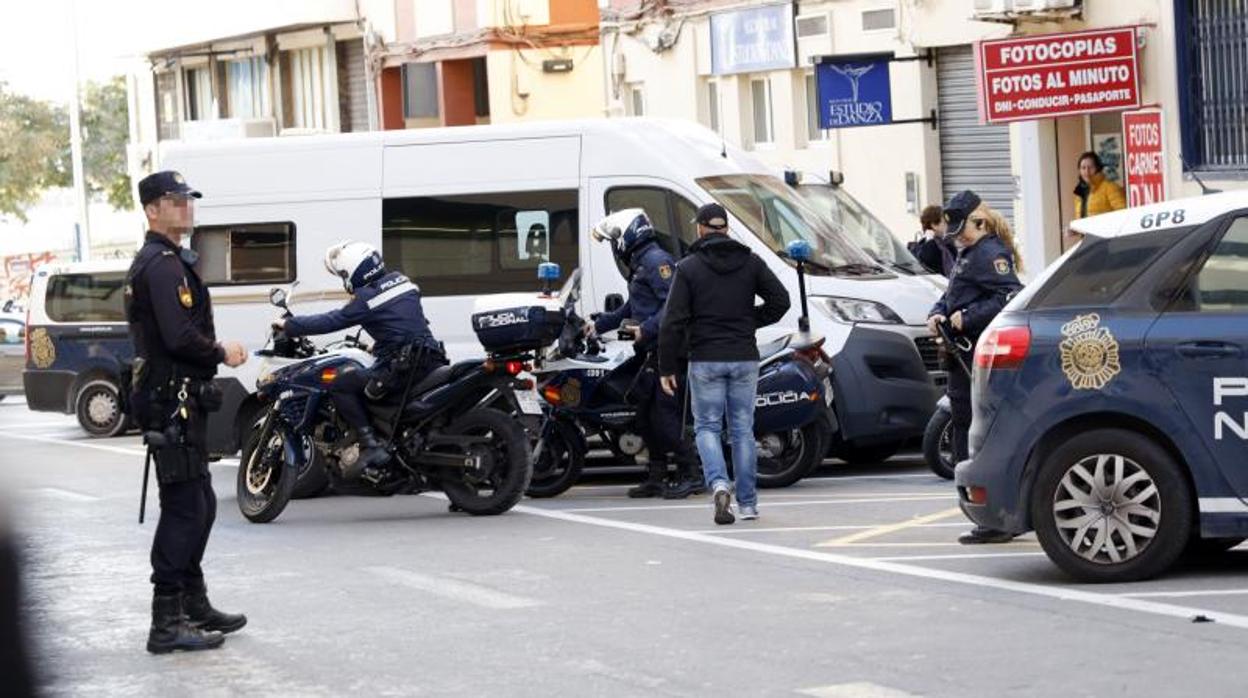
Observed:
{"x":1002,"y":266}
{"x":665,"y":271}
{"x":185,"y":297}
{"x":1089,"y":353}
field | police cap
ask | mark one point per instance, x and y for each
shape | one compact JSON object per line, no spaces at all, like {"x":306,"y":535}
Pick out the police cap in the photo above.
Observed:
{"x":163,"y":183}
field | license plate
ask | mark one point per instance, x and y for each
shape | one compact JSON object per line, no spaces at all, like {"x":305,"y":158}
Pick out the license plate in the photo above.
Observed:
{"x":530,"y":403}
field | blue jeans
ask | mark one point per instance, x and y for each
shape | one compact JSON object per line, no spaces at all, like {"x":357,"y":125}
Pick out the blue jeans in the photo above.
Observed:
{"x":720,"y":388}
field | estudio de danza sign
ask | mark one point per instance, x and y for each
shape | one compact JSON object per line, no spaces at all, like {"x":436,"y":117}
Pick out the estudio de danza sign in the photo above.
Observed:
{"x":1146,"y":160}
{"x":753,"y":40}
{"x":854,"y":91}
{"x":1037,"y":77}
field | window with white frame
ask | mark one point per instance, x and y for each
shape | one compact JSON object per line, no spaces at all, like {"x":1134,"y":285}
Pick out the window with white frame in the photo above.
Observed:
{"x":247,"y":88}
{"x":813,"y":132}
{"x":198,"y":88}
{"x":636,"y":102}
{"x":712,"y":104}
{"x":879,"y":20}
{"x":303,"y":78}
{"x":760,"y":98}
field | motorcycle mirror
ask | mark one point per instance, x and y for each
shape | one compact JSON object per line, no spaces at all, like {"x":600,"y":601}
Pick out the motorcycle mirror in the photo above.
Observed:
{"x":277,"y":297}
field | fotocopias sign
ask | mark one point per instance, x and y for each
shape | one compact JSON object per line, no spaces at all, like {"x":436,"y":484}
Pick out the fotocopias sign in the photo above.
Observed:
{"x":1146,"y":161}
{"x":1037,"y":77}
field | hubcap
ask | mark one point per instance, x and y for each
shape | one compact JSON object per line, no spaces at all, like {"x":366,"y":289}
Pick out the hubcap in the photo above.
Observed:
{"x":1107,"y":509}
{"x":102,"y":408}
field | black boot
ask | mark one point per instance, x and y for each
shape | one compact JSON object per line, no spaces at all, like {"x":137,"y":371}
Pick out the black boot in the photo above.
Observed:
{"x":652,"y":486}
{"x":170,"y":631}
{"x":984,"y":536}
{"x":371,"y":455}
{"x":200,"y":614}
{"x":688,"y":481}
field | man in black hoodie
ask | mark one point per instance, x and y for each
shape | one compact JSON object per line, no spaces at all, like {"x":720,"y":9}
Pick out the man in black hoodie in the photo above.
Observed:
{"x":711,"y":305}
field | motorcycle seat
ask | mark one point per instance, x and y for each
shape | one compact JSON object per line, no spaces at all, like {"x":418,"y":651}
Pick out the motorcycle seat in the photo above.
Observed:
{"x":444,"y":374}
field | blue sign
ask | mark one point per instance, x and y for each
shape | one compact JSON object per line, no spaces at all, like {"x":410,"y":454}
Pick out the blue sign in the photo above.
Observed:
{"x":854,"y":92}
{"x":753,"y":40}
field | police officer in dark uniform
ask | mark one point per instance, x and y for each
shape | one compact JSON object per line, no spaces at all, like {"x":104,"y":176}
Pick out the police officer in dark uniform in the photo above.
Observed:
{"x":650,"y":269}
{"x":388,"y":307}
{"x":176,"y":356}
{"x":983,"y":280}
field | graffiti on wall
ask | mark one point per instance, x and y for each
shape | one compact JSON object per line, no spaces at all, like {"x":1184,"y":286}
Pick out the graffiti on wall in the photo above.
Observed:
{"x":18,"y":270}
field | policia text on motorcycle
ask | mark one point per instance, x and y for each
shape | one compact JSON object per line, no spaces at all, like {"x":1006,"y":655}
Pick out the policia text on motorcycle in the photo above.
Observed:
{"x":176,"y":356}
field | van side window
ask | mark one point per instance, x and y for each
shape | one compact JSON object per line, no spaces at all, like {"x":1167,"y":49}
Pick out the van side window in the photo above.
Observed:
{"x":245,"y":253}
{"x":480,"y":243}
{"x":86,"y":297}
{"x":671,"y":214}
{"x":1222,"y":284}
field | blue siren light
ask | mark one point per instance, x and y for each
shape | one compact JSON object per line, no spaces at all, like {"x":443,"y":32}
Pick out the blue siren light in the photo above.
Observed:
{"x":548,"y":271}
{"x":800,"y":251}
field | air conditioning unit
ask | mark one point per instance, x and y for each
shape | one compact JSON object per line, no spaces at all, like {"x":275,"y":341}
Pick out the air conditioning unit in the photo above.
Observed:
{"x":992,"y":7}
{"x":227,"y":129}
{"x":814,"y":36}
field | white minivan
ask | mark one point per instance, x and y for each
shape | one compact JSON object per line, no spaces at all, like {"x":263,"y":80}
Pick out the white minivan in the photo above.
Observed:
{"x":471,"y":211}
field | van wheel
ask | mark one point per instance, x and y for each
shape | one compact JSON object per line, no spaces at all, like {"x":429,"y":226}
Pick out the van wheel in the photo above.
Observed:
{"x":1111,"y":505}
{"x":99,"y":409}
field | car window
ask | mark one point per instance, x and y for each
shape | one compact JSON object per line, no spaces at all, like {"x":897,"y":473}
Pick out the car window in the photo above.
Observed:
{"x":669,"y":212}
{"x":1222,"y":283}
{"x":12,"y":332}
{"x":1100,"y":269}
{"x":88,"y":297}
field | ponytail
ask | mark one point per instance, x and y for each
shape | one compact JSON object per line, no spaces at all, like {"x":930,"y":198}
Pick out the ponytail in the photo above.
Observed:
{"x":1001,"y":228}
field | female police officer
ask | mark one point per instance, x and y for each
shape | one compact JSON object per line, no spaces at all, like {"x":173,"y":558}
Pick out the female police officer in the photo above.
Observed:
{"x":176,"y":356}
{"x":983,"y":280}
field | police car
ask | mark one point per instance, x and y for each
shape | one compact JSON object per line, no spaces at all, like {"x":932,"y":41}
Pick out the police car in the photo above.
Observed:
{"x":1111,"y":395}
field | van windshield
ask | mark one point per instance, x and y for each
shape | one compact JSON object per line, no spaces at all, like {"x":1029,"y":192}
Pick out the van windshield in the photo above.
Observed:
{"x":860,"y":227}
{"x":777,"y":215}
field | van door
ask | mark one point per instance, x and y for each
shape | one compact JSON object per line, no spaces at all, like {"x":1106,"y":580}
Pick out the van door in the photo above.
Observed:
{"x":1200,"y":348}
{"x":670,"y":209}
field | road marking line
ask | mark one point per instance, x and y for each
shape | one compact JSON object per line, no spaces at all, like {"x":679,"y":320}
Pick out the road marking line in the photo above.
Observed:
{"x":889,"y":528}
{"x":1052,"y":592}
{"x":67,"y":424}
{"x":769,"y":504}
{"x":858,"y":689}
{"x":794,"y":529}
{"x":1205,"y":592}
{"x":67,"y":495}
{"x":963,"y":556}
{"x":79,"y":444}
{"x":453,"y":589}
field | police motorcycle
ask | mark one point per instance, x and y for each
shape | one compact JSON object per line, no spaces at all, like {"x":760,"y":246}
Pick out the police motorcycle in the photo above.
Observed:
{"x":587,"y":383}
{"x":443,"y":432}
{"x":938,"y":435}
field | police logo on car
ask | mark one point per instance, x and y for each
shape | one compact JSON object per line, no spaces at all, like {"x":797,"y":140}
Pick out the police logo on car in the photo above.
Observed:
{"x":1089,"y":353}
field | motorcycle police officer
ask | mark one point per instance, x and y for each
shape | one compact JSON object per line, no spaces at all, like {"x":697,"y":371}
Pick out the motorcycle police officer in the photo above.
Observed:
{"x":388,"y":307}
{"x":650,"y":270}
{"x":176,"y":356}
{"x":983,"y":280}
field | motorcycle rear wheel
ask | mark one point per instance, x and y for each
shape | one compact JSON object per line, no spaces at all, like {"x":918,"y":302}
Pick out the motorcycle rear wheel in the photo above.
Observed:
{"x":560,"y":462}
{"x":506,"y":466}
{"x":803,"y":452}
{"x":265,"y":480}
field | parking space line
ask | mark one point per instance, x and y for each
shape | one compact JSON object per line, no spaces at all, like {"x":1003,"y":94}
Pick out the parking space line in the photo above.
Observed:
{"x":768,"y":505}
{"x":1058,"y":593}
{"x":1177,"y":594}
{"x":961,"y":556}
{"x":889,"y":528}
{"x":796,"y":529}
{"x":66,"y":495}
{"x":453,"y":589}
{"x":79,"y":444}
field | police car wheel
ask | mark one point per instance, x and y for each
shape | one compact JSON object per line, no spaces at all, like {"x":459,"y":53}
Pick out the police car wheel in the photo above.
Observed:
{"x":98,"y":408}
{"x":1111,"y":505}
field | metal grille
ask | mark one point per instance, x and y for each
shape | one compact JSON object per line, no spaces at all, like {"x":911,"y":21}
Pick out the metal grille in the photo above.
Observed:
{"x":972,"y":155}
{"x":1219,"y":81}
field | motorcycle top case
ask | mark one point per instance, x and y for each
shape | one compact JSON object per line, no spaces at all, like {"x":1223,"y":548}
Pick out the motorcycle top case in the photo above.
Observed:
{"x":516,"y":322}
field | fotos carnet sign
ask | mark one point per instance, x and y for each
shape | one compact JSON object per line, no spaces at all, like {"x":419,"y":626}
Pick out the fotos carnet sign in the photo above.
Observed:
{"x":1038,"y":77}
{"x":1146,"y":160}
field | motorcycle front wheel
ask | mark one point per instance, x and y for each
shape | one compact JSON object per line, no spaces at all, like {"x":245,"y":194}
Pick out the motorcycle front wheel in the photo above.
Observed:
{"x":265,"y":481}
{"x":557,"y":466}
{"x":504,"y":467}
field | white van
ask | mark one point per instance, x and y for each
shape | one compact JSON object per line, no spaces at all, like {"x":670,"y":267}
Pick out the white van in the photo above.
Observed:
{"x":469,"y":211}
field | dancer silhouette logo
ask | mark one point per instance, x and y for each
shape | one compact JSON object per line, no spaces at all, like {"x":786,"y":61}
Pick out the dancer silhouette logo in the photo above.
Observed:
{"x":854,"y":92}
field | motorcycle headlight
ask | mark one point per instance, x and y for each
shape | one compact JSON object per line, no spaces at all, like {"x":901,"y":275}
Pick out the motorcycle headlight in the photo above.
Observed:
{"x":263,"y":380}
{"x":856,"y":310}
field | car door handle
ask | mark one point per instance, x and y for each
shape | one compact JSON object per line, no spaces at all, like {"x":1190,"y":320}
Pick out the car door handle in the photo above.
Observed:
{"x":1208,"y":350}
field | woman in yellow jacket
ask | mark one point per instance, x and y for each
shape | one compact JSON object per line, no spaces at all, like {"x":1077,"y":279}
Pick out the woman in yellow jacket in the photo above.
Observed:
{"x":1095,"y":194}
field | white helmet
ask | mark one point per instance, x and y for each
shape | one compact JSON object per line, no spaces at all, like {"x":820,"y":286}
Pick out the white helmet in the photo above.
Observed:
{"x":356,"y":263}
{"x":624,"y":229}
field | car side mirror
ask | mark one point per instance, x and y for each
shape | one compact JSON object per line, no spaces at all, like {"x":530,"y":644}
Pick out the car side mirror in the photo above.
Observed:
{"x":277,"y":297}
{"x":614,"y":302}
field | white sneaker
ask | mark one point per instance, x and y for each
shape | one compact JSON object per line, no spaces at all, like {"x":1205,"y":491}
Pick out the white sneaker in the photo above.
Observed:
{"x":723,"y":504}
{"x":747,"y":513}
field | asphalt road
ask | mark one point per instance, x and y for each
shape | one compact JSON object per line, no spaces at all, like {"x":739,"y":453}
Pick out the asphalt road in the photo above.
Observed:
{"x":851,"y":584}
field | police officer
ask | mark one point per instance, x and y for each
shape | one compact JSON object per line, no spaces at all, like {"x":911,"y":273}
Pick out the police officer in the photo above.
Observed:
{"x":650,"y":270}
{"x":176,"y":356}
{"x":983,"y":280}
{"x":388,"y":307}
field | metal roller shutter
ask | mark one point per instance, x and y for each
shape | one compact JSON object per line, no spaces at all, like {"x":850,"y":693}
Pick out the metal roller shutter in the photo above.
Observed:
{"x":972,"y":156}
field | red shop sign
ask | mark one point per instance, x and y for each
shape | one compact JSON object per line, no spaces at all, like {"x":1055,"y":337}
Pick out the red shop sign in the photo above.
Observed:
{"x":1037,"y":77}
{"x":1146,"y":160}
